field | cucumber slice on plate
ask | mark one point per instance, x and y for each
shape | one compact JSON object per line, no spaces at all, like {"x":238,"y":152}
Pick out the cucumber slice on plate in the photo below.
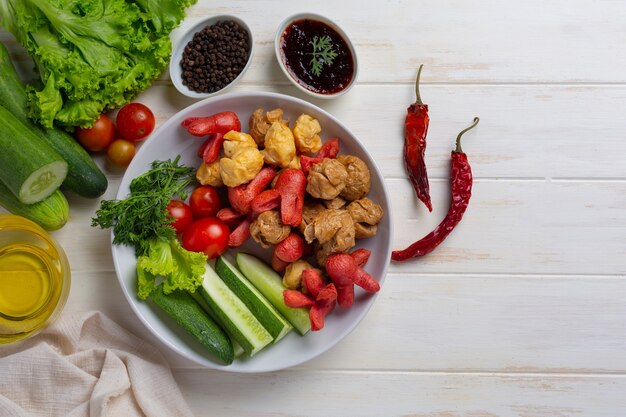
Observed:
{"x":270,"y":284}
{"x":237,"y":349}
{"x":262,"y":309}
{"x":188,"y":313}
{"x":233,"y":314}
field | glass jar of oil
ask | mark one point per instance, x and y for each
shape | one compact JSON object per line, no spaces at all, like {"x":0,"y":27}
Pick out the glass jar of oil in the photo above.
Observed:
{"x":34,"y":278}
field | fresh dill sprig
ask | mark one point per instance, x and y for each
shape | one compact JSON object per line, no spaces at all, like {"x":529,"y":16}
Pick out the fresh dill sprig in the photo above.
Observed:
{"x":323,"y":54}
{"x":143,"y":214}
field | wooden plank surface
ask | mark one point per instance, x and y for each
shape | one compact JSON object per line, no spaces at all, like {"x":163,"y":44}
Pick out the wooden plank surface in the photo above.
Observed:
{"x":522,"y":311}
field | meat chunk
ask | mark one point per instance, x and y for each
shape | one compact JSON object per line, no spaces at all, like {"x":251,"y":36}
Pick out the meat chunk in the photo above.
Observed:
{"x":358,"y":181}
{"x":306,"y":131}
{"x":309,"y":212}
{"x":280,"y":148}
{"x":209,"y":174}
{"x":366,"y":215}
{"x":332,"y":231}
{"x":242,"y":161}
{"x":327,"y":179}
{"x":267,"y":229}
{"x":260,"y":122}
{"x":236,"y":141}
{"x":242,"y":167}
{"x":336,"y":203}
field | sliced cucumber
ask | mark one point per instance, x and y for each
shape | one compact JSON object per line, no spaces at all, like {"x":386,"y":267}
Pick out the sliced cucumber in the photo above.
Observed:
{"x":188,"y":313}
{"x":236,"y":346}
{"x":233,"y":314}
{"x":30,"y":168}
{"x":262,"y":309}
{"x":270,"y":284}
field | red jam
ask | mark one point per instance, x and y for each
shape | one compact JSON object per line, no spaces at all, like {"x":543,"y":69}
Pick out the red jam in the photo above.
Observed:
{"x":297,"y":48}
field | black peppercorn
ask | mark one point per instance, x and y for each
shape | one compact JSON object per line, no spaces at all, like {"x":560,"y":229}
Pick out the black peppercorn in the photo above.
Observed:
{"x":215,"y":56}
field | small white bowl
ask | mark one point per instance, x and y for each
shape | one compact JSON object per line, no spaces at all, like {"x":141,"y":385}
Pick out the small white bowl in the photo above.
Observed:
{"x":187,"y":36}
{"x":281,"y":60}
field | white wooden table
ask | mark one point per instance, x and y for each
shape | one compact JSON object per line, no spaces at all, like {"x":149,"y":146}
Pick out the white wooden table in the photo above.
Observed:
{"x":522,"y":311}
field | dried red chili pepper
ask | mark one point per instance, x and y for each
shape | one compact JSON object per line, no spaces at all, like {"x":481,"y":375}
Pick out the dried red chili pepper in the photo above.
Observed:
{"x":461,"y":179}
{"x":416,"y":127}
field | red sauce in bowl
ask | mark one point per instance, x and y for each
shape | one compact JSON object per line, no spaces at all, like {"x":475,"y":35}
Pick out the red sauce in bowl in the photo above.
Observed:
{"x":297,"y":47}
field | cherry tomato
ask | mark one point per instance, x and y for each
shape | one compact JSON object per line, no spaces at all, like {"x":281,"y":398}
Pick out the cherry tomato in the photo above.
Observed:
{"x":135,"y":121}
{"x":182,"y":215}
{"x":97,"y":137}
{"x":205,"y":201}
{"x":208,"y":235}
{"x":121,"y":152}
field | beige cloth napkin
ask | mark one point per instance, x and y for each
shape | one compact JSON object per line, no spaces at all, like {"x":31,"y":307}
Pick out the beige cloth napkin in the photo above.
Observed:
{"x":87,"y":365}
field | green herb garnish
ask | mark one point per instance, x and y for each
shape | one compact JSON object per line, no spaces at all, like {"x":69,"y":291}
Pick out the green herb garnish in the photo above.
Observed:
{"x":323,"y":54}
{"x":143,"y":214}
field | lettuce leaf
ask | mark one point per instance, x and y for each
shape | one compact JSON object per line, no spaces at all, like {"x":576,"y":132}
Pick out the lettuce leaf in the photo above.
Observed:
{"x":91,"y":55}
{"x":180,"y":268}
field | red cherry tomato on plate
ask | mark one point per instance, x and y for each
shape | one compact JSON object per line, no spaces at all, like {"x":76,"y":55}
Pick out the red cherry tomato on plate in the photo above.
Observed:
{"x":208,"y":235}
{"x":205,"y":201}
{"x":134,"y":121}
{"x":182,"y":215}
{"x":97,"y":137}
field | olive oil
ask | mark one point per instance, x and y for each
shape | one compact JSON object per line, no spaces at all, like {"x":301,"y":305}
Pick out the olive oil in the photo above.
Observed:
{"x":34,"y":278}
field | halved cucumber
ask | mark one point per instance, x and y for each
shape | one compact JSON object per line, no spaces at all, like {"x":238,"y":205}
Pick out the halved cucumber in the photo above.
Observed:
{"x":262,"y":309}
{"x":270,"y":284}
{"x":237,"y":349}
{"x":30,"y":168}
{"x":233,"y":314}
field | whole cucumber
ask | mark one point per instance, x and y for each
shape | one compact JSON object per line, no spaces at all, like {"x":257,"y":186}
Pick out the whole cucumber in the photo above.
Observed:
{"x":84,"y":177}
{"x":51,"y":213}
{"x":181,"y":306}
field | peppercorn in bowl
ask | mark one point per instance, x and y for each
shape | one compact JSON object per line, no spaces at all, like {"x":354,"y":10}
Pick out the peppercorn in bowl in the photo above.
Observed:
{"x":211,"y":56}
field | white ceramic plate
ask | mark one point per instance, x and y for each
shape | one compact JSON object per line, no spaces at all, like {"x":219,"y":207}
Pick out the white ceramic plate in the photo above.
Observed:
{"x":170,"y":140}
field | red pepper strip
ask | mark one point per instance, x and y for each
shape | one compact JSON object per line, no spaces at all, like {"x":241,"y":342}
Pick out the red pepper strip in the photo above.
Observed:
{"x":366,"y":281}
{"x":345,"y":295}
{"x":461,"y":179}
{"x":241,"y":196}
{"x":278,"y":264}
{"x":230,"y":216}
{"x":317,"y":313}
{"x":296,"y":299}
{"x":361,"y":256}
{"x":329,"y":149}
{"x":341,"y":268}
{"x":291,"y":185}
{"x":240,"y":234}
{"x":218,"y":123}
{"x":290,"y":249}
{"x":313,"y":281}
{"x":416,"y":127}
{"x":327,"y":295}
{"x":213,"y":147}
{"x":267,"y":200}
{"x":203,"y":147}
